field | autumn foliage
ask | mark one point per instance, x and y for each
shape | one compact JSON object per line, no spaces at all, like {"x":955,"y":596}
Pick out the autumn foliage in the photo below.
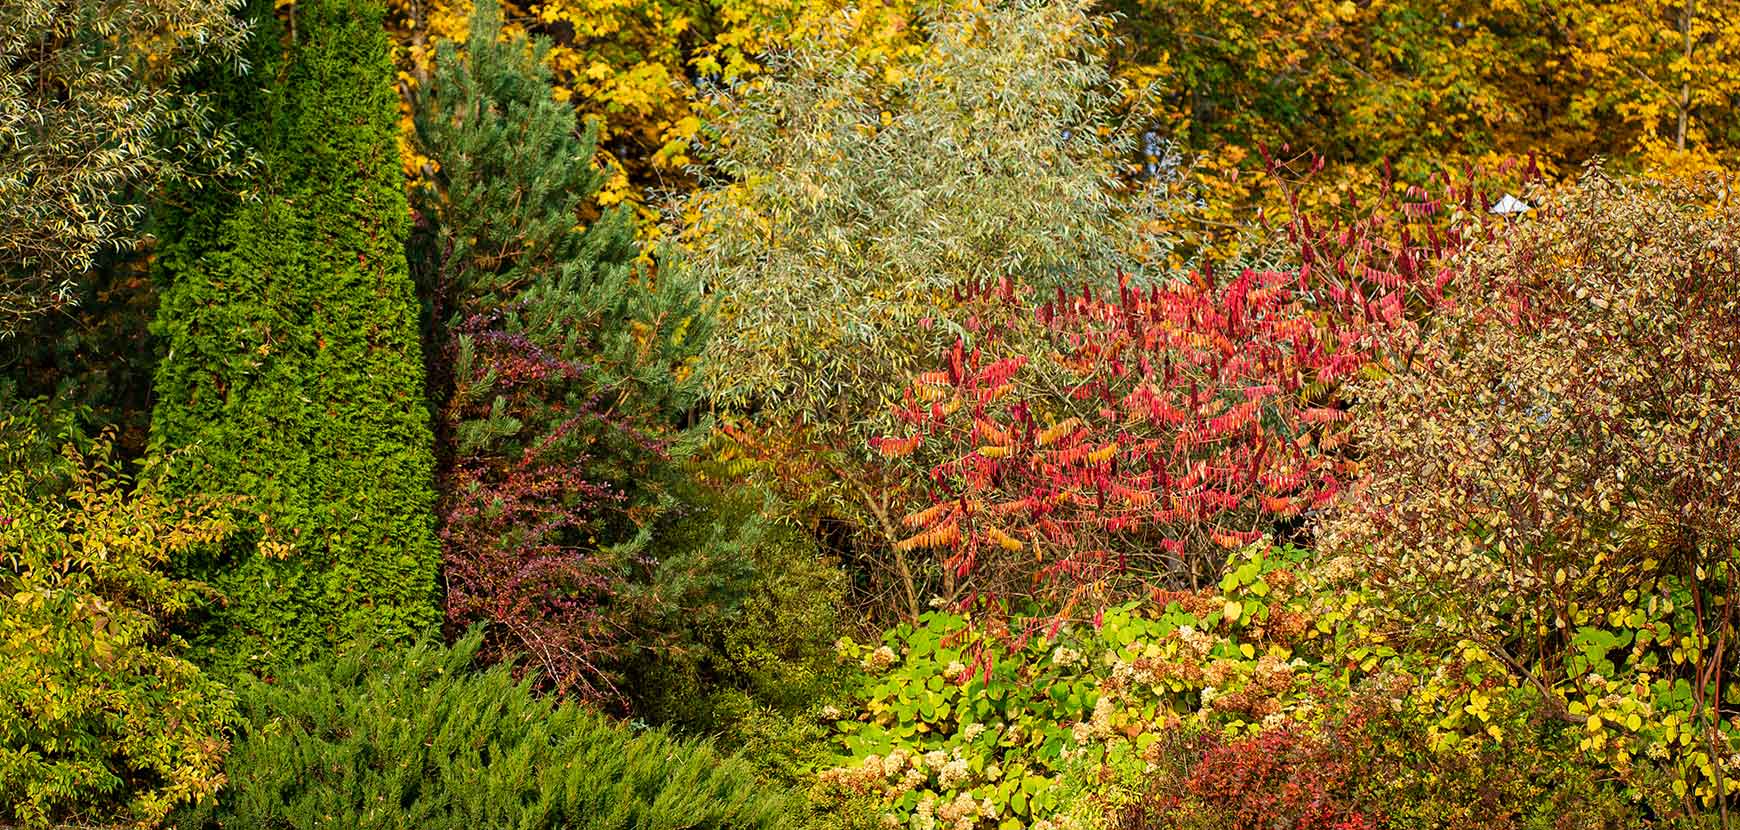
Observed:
{"x":561,"y":366}
{"x":1280,"y":779}
{"x":1147,"y":430}
{"x":1571,"y":428}
{"x":1183,"y":418}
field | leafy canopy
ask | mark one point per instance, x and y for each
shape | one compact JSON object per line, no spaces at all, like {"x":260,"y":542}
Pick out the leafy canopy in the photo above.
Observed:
{"x":90,"y":114}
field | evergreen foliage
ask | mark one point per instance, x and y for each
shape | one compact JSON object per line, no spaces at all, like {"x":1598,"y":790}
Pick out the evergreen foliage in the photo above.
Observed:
{"x":292,"y":363}
{"x":566,"y":367}
{"x":754,"y":661}
{"x":777,"y":645}
{"x":413,"y":739}
{"x":101,"y":719}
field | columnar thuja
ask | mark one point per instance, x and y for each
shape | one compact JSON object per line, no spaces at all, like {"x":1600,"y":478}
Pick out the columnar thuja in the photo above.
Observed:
{"x":1145,"y":431}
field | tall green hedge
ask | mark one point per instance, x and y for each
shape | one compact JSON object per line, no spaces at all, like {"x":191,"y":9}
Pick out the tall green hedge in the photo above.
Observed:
{"x":292,"y":366}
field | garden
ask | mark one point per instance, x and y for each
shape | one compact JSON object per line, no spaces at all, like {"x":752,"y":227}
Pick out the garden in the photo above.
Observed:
{"x":869,"y":414}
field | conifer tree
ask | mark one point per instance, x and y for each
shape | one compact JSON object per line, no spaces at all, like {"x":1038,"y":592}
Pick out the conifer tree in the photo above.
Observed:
{"x":562,"y":367}
{"x":292,"y":369}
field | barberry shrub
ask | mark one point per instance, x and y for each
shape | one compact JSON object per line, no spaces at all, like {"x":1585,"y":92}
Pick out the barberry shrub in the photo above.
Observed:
{"x":562,"y":371}
{"x":292,"y":373}
{"x":102,"y":720}
{"x":1368,"y":764}
{"x":413,"y":737}
{"x":1283,"y":778}
{"x":1568,"y":432}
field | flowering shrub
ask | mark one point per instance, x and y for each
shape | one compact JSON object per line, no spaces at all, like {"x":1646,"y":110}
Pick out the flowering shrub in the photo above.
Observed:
{"x":967,"y":724}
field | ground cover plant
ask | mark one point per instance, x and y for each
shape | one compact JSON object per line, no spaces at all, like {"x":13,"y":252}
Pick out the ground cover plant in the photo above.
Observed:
{"x":411,"y":738}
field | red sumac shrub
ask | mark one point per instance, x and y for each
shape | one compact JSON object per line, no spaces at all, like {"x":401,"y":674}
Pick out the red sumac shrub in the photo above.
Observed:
{"x":1187,"y":417}
{"x":1145,"y":431}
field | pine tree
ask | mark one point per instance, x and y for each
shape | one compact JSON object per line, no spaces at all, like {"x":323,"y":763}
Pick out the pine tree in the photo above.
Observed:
{"x":292,"y":370}
{"x":562,"y":368}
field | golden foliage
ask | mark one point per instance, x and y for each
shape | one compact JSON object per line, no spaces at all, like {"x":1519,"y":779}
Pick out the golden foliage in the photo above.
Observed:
{"x":642,"y":67}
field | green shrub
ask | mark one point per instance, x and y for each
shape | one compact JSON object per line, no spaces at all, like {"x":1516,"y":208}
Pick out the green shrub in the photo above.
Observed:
{"x":771,"y":641}
{"x":752,"y":662}
{"x":100,"y":719}
{"x":292,"y":360}
{"x":412,"y":738}
{"x":982,"y":721}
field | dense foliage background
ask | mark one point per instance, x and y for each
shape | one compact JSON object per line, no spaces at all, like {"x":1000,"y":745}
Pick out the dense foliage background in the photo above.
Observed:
{"x":931,"y":414}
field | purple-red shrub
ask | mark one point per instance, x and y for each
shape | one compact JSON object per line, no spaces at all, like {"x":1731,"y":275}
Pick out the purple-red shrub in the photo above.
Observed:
{"x":562,"y":369}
